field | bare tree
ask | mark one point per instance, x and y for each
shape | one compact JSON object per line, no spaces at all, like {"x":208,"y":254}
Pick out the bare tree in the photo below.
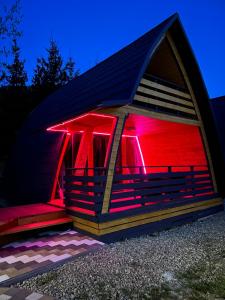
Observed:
{"x":10,"y":19}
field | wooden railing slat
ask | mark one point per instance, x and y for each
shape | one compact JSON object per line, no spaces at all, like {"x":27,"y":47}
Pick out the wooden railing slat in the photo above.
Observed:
{"x":153,"y":191}
{"x":159,"y":198}
{"x":87,"y":192}
{"x":72,"y":195}
{"x":160,"y":182}
{"x":77,"y":187}
{"x":94,"y":179}
{"x":118,"y":177}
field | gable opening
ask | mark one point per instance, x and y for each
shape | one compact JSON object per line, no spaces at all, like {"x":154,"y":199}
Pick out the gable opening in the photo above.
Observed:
{"x":164,"y":67}
{"x":163,"y":87}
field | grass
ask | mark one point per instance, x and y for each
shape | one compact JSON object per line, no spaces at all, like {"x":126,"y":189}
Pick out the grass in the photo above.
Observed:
{"x":46,"y":278}
{"x":205,"y":280}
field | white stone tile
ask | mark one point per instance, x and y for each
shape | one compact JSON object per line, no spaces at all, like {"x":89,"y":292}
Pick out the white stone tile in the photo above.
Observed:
{"x":5,"y":297}
{"x":34,"y":296}
{"x":4,"y":277}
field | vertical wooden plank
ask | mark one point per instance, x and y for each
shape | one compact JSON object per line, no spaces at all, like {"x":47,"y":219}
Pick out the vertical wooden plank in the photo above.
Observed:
{"x":90,"y":159}
{"x":108,"y":151}
{"x":112,"y":162}
{"x":83,"y":151}
{"x":124,"y":155}
{"x":62,"y":154}
{"x":91,"y":156}
{"x":202,"y":129}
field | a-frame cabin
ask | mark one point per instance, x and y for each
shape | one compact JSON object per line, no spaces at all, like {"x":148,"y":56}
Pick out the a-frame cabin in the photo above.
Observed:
{"x":128,"y":146}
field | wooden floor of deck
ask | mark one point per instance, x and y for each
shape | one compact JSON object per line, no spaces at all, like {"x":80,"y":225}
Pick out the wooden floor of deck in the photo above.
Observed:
{"x":24,"y":218}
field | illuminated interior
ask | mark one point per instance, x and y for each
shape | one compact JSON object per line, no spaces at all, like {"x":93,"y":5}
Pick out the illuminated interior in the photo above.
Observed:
{"x":162,"y":144}
{"x":147,"y":145}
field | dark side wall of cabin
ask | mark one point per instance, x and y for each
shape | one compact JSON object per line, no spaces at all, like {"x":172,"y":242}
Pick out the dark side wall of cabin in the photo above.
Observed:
{"x":218,"y":109}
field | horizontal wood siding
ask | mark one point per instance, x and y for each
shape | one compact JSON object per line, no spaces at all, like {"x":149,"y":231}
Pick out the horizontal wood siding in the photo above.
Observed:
{"x":133,"y":221}
{"x":160,"y":97}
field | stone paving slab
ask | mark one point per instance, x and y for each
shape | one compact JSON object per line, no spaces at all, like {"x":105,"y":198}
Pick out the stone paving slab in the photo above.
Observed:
{"x":47,"y":249}
{"x":21,"y":294}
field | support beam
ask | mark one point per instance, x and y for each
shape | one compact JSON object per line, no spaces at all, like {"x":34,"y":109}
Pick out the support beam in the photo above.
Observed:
{"x":147,"y":113}
{"x":62,"y":154}
{"x":112,"y":162}
{"x":84,"y":149}
{"x":202,"y":129}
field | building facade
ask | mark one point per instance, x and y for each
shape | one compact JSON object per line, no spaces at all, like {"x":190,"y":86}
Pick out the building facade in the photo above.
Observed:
{"x":128,"y":146}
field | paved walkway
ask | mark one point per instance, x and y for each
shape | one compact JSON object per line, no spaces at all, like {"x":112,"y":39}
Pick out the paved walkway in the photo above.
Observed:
{"x":23,"y":258}
{"x":21,"y":294}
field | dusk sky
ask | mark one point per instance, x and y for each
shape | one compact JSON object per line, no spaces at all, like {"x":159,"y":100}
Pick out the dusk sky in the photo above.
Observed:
{"x":90,"y":31}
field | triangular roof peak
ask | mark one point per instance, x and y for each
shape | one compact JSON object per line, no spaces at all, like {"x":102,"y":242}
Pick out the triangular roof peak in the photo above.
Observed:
{"x":112,"y":81}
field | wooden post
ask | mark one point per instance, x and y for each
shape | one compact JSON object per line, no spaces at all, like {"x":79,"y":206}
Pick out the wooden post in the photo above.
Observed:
{"x":112,"y":162}
{"x":85,"y":148}
{"x":202,"y":129}
{"x":61,"y":157}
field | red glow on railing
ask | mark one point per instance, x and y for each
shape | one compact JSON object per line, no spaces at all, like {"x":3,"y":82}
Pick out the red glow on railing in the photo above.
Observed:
{"x":141,"y":154}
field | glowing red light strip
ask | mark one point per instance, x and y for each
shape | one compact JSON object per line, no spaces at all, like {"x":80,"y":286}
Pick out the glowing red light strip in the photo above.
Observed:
{"x":101,"y":133}
{"x":138,"y":144}
{"x":57,"y":130}
{"x":105,"y":133}
{"x":127,"y":135}
{"x":101,"y":115}
{"x":59,"y":166}
{"x":53,"y":128}
{"x":142,"y":158}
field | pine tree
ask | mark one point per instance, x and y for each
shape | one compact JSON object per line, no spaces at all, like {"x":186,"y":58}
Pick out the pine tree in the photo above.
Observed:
{"x":50,"y":73}
{"x":16,"y":76}
{"x":69,"y":69}
{"x":69,"y":72}
{"x":54,"y":65}
{"x":40,"y":73}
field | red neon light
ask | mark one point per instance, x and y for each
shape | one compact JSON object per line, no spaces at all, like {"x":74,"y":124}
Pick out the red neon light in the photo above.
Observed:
{"x":59,"y":166}
{"x":138,"y":144}
{"x":104,"y":133}
{"x":54,"y":128}
{"x":127,"y":135}
{"x":101,"y":133}
{"x":57,"y":130}
{"x":142,"y":158}
{"x":101,"y":115}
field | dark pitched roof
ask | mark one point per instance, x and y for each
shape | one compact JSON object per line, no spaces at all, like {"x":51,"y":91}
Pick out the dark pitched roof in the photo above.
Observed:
{"x":113,"y":80}
{"x":218,"y":99}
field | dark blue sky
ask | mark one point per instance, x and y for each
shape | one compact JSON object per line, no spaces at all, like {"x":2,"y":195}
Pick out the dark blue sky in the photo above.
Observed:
{"x":90,"y":31}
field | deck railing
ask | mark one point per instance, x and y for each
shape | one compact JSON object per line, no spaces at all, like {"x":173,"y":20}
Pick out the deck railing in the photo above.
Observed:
{"x":154,"y":186}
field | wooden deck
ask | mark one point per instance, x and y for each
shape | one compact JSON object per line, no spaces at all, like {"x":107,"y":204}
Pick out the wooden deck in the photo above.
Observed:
{"x":19,"y":219}
{"x":154,"y":200}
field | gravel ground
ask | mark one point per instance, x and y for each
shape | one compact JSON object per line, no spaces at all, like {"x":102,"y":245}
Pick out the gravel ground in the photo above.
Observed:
{"x":148,"y":267}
